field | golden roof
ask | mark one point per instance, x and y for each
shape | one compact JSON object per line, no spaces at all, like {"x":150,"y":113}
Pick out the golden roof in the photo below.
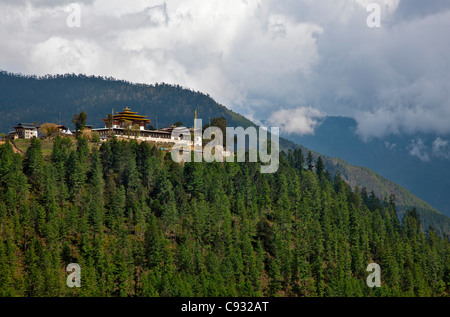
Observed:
{"x":126,"y":114}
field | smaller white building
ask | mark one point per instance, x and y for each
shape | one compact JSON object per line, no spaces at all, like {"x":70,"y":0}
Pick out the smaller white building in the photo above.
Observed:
{"x":26,"y":130}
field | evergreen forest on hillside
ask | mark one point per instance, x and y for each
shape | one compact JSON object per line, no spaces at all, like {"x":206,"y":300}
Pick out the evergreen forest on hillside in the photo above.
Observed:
{"x":139,"y":224}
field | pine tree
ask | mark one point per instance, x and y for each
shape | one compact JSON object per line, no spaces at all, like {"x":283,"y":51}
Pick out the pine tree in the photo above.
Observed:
{"x":309,"y":161}
{"x":34,"y":166}
{"x":320,"y":168}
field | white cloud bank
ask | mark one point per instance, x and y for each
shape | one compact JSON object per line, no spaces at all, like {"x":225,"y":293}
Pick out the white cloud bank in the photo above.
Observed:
{"x":300,"y":121}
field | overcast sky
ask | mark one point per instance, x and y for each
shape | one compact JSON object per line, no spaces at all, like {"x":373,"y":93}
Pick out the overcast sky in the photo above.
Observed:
{"x":289,"y":62}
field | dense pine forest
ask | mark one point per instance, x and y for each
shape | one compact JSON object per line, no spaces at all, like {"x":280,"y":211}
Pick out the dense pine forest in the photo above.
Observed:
{"x":139,"y":224}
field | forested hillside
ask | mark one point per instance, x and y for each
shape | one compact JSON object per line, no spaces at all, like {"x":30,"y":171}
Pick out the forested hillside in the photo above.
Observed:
{"x":139,"y":224}
{"x":425,"y":173}
{"x":381,"y":186}
{"x":49,"y":98}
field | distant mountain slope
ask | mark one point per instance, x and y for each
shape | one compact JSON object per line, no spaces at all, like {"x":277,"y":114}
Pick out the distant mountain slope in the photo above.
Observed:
{"x":31,"y":99}
{"x":420,"y":162}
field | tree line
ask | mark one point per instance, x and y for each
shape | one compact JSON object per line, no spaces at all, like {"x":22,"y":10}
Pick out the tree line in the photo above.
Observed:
{"x":139,"y":224}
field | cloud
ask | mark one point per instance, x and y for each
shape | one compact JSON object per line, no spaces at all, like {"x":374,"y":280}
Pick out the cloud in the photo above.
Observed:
{"x":441,"y":148}
{"x":412,"y":9}
{"x":254,"y":56}
{"x":300,"y":121}
{"x":419,"y":149}
{"x":392,"y":80}
{"x":390,"y":146}
{"x":158,"y":15}
{"x":61,"y":55}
